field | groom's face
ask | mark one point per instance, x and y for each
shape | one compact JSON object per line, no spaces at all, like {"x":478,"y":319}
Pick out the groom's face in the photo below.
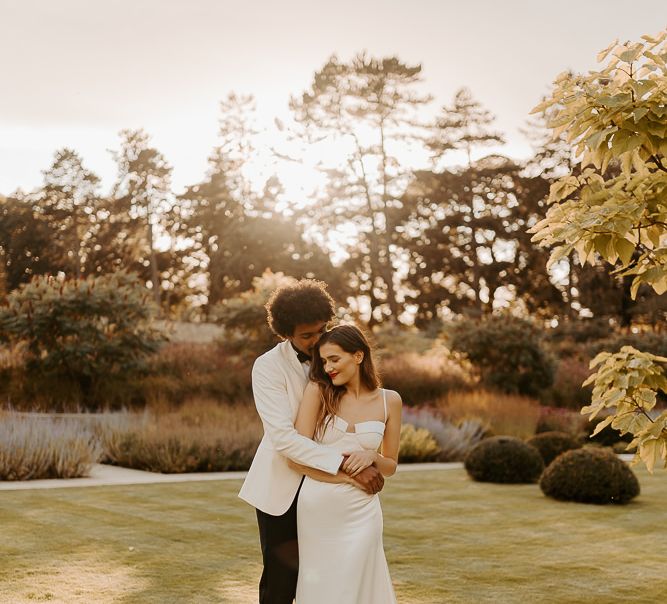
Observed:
{"x":306,"y":335}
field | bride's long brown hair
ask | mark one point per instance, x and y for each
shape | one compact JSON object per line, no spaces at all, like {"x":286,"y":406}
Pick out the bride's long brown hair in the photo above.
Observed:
{"x":351,"y":339}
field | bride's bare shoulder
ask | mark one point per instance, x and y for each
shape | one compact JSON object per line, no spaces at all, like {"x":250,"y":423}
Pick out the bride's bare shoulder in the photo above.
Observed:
{"x":392,"y":395}
{"x":394,"y":400}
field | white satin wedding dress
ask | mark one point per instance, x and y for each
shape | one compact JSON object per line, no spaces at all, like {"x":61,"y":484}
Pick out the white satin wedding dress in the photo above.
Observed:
{"x":341,"y":556}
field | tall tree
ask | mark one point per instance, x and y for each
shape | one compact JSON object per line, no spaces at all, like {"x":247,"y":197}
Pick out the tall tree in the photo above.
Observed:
{"x":237,"y":231}
{"x":465,"y":229}
{"x":370,"y":108}
{"x":25,"y":242}
{"x":143,"y":191}
{"x":68,"y":201}
{"x":465,"y":125}
{"x":212,"y":212}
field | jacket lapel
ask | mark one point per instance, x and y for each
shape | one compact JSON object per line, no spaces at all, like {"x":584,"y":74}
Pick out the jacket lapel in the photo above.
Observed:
{"x":294,"y":374}
{"x":290,"y":355}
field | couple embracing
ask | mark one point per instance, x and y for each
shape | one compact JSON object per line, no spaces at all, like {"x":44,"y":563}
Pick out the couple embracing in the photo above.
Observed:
{"x":331,"y":435}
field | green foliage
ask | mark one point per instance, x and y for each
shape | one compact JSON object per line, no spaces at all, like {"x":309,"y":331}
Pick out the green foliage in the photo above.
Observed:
{"x":68,"y":201}
{"x":26,"y":242}
{"x":626,"y":384}
{"x":416,"y":444}
{"x":504,"y":459}
{"x":614,"y":114}
{"x":83,"y":331}
{"x":655,"y":343}
{"x":617,"y":114}
{"x":551,"y":444}
{"x":238,"y":230}
{"x":507,"y":351}
{"x":244,"y":315}
{"x":590,"y":476}
{"x":568,"y":336}
{"x":453,"y":222}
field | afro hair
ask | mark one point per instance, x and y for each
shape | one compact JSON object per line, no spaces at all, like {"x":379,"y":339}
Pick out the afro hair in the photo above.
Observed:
{"x":304,"y":302}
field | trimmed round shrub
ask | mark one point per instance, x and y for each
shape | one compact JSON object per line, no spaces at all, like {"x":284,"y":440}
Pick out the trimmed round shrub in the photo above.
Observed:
{"x":504,"y":459}
{"x":551,"y":444}
{"x":590,"y":475}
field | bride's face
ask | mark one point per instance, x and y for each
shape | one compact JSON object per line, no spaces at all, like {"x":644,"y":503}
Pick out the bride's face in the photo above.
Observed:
{"x":341,"y":366}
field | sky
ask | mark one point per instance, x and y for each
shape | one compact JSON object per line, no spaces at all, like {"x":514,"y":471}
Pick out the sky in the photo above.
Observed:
{"x":75,"y":72}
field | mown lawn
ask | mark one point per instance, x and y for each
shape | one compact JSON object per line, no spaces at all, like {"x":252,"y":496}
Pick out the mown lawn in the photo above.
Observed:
{"x":447,"y":540}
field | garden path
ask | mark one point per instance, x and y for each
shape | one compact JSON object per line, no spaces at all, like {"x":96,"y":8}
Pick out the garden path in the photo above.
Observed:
{"x":104,"y":475}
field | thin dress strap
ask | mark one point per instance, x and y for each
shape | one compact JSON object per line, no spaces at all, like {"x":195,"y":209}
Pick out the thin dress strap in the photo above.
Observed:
{"x":384,"y":400}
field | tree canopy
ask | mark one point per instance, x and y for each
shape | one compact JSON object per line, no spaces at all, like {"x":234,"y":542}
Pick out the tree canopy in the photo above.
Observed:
{"x":617,"y":115}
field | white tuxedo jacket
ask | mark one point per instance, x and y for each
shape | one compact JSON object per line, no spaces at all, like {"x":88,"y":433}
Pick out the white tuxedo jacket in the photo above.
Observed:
{"x":278,"y":382}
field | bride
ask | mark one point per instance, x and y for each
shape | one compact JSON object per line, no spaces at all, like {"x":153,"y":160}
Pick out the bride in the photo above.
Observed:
{"x":341,"y":556}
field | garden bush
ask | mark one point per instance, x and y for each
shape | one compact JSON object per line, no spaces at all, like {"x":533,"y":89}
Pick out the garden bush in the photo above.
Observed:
{"x":416,"y":444}
{"x":590,"y":475}
{"x":393,"y":338}
{"x":507,"y":351}
{"x":557,"y":419}
{"x":566,"y":390}
{"x":655,"y":343}
{"x":551,"y":444}
{"x":36,"y":447}
{"x":580,"y":330}
{"x":504,"y":459}
{"x":88,"y":335}
{"x":244,"y":316}
{"x":454,"y":439}
{"x":422,"y":379}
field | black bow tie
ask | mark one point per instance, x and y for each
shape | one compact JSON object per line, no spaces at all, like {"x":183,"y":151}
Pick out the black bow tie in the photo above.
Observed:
{"x":302,"y":356}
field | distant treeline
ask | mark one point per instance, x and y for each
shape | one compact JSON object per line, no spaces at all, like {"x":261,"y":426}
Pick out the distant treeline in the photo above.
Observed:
{"x":430,"y":241}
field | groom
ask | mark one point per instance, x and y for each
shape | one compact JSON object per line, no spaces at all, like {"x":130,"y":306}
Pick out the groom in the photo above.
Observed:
{"x":299,"y":314}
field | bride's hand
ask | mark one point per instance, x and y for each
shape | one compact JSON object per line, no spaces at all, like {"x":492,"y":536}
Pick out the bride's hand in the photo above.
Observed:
{"x":357,"y":461}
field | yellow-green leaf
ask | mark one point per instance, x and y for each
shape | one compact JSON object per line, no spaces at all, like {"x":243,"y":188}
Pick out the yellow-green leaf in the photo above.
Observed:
{"x":602,"y":425}
{"x":602,"y":55}
{"x":624,"y":249}
{"x":649,"y":452}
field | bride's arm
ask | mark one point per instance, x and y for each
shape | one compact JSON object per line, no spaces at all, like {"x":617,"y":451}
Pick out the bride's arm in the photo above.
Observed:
{"x":387,"y":461}
{"x":320,"y":475}
{"x":305,"y":423}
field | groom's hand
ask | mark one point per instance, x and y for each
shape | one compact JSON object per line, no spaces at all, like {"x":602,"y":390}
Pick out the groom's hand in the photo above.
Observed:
{"x":370,"y":480}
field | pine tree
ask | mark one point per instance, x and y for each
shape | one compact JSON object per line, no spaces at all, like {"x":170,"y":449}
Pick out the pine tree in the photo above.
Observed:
{"x":370,"y":106}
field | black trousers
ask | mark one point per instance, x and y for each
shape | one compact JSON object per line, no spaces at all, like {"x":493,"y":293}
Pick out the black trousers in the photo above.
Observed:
{"x":280,"y":554}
